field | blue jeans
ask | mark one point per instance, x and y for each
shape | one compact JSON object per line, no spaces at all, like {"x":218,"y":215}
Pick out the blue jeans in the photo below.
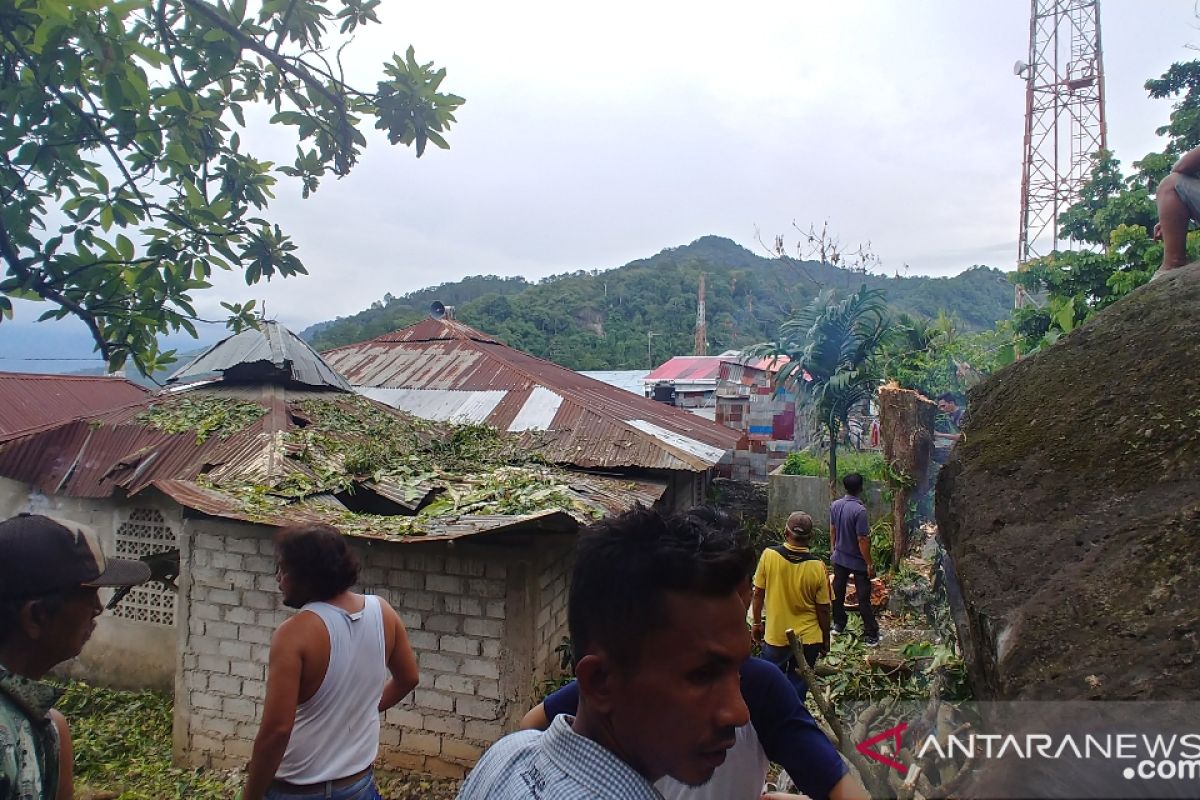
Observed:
{"x":362,"y":789}
{"x":782,"y":658}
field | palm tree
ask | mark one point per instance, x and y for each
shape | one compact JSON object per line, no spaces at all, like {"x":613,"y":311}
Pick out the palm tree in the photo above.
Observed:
{"x":832,"y":346}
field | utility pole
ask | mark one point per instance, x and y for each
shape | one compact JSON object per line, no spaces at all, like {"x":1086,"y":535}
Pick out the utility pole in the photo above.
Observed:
{"x":1064,"y":119}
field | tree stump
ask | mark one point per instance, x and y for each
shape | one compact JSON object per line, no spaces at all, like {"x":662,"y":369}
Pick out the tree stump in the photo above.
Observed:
{"x":906,"y":420}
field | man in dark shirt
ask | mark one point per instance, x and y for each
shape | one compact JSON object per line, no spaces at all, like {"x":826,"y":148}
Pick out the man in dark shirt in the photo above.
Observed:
{"x":851,"y":538}
{"x":51,"y":573}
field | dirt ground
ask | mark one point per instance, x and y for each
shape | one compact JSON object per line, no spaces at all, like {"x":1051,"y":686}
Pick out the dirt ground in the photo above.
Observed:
{"x":418,"y":788}
{"x":1072,"y":509}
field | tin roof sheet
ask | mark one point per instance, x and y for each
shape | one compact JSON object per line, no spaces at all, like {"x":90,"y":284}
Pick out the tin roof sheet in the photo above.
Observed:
{"x":270,"y":350}
{"x":30,"y":400}
{"x":687,"y":368}
{"x":440,"y":405}
{"x":591,"y":426}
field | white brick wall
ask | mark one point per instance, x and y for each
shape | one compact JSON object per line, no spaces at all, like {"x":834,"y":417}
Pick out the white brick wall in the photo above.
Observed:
{"x":453,"y":606}
{"x":550,"y":614}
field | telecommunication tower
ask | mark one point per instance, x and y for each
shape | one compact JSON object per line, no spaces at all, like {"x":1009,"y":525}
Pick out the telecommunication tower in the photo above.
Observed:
{"x":1064,"y":118}
{"x":700,"y":348}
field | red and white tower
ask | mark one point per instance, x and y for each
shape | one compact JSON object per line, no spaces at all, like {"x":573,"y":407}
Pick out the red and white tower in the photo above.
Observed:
{"x":1064,"y":117}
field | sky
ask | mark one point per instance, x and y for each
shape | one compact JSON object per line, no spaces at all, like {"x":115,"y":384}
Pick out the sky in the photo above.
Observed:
{"x":595,"y":134}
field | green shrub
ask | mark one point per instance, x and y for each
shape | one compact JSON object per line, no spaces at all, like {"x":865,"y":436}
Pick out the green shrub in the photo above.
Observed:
{"x":869,"y":464}
{"x":803,"y":462}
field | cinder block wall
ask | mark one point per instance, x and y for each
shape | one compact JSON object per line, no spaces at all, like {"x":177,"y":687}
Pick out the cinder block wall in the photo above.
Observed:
{"x":469,"y":619}
{"x":550,"y":620}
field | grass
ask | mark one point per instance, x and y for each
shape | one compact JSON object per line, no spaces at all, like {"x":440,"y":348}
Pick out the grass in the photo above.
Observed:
{"x":122,"y":745}
{"x":868,"y":464}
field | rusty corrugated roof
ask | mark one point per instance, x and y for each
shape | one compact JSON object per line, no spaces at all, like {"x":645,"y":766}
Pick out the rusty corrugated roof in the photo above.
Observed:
{"x":123,"y":451}
{"x":29,"y":400}
{"x":434,"y":367}
{"x":687,"y":368}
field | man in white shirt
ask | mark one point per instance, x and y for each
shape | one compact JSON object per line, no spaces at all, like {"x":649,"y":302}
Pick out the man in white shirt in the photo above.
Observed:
{"x":333,"y":668}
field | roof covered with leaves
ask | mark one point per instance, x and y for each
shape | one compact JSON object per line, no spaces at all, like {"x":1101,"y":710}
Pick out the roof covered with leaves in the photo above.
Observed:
{"x":277,"y":454}
{"x":443,"y":369}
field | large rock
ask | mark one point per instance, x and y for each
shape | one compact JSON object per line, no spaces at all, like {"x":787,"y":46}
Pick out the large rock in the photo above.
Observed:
{"x":1072,"y":509}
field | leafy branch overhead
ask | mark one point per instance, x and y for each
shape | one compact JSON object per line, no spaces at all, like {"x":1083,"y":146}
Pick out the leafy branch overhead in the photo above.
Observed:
{"x":123,"y":180}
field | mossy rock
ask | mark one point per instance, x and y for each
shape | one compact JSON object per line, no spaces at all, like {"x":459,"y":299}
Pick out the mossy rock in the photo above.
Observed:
{"x":1072,"y":509}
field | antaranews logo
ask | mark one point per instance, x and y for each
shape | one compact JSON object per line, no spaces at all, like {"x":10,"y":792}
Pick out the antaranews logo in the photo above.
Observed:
{"x":1096,"y":750}
{"x":896,"y":733}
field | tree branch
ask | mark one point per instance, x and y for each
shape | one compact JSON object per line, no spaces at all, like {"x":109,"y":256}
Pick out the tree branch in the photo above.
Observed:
{"x":299,"y":69}
{"x":48,"y":292}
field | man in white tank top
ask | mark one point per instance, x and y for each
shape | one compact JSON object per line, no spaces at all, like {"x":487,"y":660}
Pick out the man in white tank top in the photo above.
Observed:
{"x":334,"y":667}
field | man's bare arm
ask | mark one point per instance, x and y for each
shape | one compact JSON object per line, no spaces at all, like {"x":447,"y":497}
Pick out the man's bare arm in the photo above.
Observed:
{"x":825,"y":620}
{"x":756,"y":605}
{"x":864,"y":547}
{"x":66,"y":757}
{"x":401,"y":662}
{"x":535,"y":719}
{"x":279,"y":708}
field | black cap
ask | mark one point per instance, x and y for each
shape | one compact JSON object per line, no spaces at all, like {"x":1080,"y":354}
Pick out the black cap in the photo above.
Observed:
{"x":40,"y":555}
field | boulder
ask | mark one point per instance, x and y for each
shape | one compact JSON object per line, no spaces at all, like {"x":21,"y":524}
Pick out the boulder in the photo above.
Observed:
{"x":1072,"y":509}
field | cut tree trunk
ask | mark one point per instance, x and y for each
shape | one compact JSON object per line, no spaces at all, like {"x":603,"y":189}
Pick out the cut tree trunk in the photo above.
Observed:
{"x":906,"y":421}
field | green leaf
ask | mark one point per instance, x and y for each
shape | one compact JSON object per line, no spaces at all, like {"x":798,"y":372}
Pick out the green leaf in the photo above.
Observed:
{"x":124,"y":247}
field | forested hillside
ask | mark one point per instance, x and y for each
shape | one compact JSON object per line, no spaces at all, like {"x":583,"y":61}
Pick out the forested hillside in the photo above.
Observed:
{"x":600,"y":320}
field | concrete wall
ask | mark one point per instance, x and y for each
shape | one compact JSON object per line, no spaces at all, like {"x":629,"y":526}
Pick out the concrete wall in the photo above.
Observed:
{"x":550,"y":620}
{"x":469,"y":613}
{"x":788,"y":493}
{"x":123,"y":652}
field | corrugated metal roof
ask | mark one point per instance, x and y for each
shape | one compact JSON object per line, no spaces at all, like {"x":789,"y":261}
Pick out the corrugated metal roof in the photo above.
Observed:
{"x":440,"y":405}
{"x":269,"y":351}
{"x":700,"y":369}
{"x":687,"y":445}
{"x":218,"y":504}
{"x":29,"y":400}
{"x":538,"y":411}
{"x":687,"y":368}
{"x":628,"y":379}
{"x":120,"y":451}
{"x":591,"y":426}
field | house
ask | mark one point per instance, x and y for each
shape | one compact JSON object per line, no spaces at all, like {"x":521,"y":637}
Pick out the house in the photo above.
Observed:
{"x":688,"y":382}
{"x":747,"y":401}
{"x":29,"y":400}
{"x":441,"y":369}
{"x":467,"y":531}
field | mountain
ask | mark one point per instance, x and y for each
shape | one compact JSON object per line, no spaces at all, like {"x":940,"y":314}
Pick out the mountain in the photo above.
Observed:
{"x":601,"y":319}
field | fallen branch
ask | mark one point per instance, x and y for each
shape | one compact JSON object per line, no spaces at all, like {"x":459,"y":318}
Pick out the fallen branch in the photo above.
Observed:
{"x":872,"y":777}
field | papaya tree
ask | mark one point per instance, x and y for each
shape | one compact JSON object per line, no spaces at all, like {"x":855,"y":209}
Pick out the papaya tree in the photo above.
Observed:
{"x":832,"y":347}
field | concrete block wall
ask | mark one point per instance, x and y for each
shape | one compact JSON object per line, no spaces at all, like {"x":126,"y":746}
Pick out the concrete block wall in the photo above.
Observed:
{"x":550,"y":620}
{"x":454,"y":604}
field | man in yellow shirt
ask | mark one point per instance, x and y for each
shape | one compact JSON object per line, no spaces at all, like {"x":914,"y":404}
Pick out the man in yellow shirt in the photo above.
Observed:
{"x":795,"y":586}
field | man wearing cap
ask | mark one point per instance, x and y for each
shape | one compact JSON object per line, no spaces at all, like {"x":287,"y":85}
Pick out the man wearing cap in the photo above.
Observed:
{"x":795,"y":587}
{"x":50,"y":578}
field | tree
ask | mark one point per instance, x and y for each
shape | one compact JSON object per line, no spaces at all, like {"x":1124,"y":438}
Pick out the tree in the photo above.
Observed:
{"x":832,"y":346}
{"x":1117,"y":213}
{"x":123,"y":182}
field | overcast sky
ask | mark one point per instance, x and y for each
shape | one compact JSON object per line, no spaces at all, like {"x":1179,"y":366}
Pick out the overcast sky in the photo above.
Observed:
{"x":594,"y":134}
